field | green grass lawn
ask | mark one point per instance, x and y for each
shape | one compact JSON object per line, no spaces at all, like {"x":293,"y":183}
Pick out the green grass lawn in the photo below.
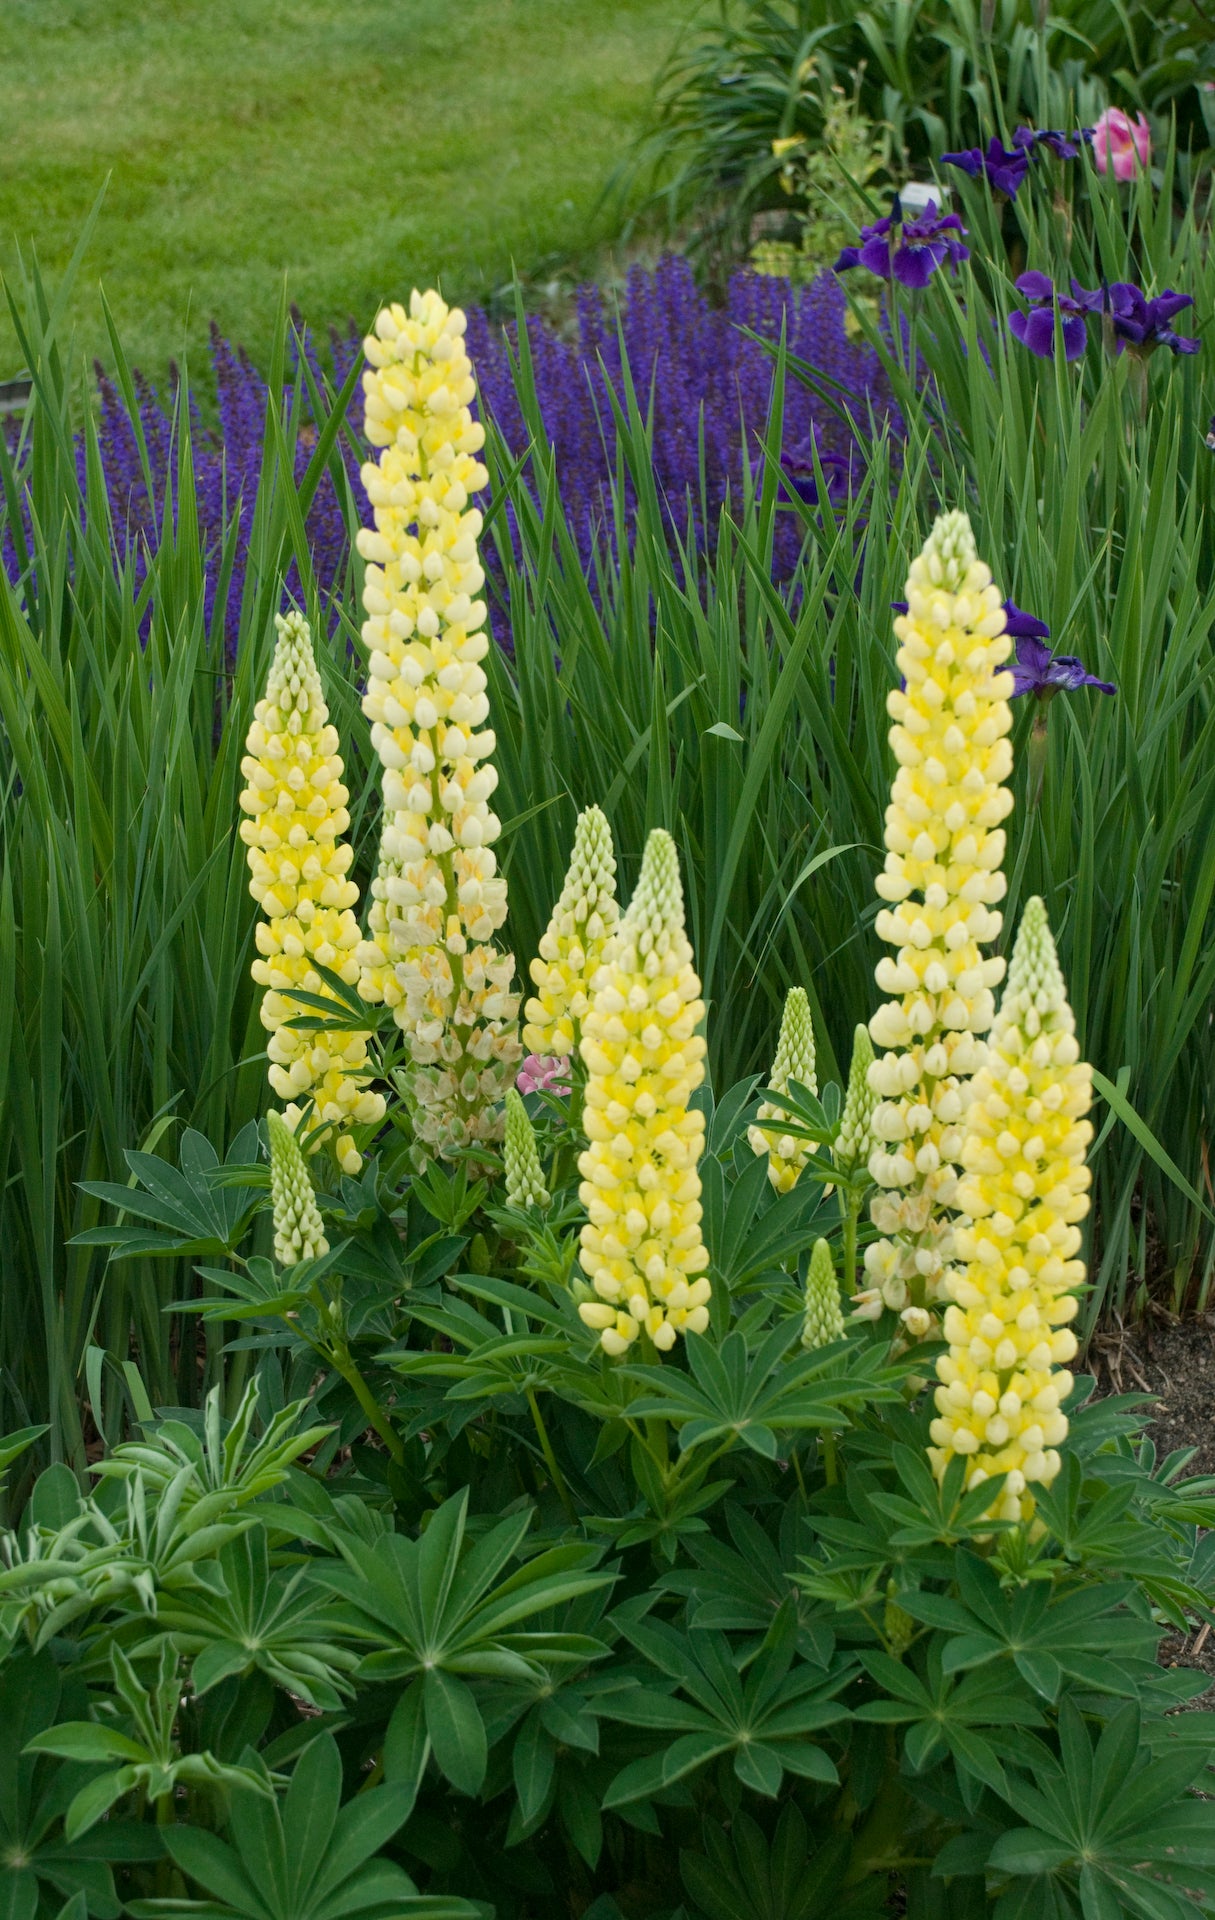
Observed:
{"x":359,"y":146}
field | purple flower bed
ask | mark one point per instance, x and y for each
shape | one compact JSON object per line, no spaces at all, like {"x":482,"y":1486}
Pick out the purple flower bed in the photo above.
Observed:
{"x":686,"y":359}
{"x":696,"y":358}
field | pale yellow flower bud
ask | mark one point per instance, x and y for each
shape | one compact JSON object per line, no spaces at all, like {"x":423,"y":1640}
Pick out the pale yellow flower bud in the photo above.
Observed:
{"x":299,"y":1233}
{"x":295,"y":818}
{"x":787,"y":1154}
{"x":1024,"y":1188}
{"x":572,"y":949}
{"x":641,"y":1247}
{"x":824,"y":1321}
{"x":524,"y":1175}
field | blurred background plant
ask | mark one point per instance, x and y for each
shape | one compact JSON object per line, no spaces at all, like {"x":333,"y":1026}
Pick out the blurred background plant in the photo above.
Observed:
{"x":940,"y":74}
{"x":830,"y":185}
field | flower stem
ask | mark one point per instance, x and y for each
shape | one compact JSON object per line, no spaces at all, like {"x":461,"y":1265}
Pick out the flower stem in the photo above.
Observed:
{"x":550,"y":1458}
{"x":370,"y":1405}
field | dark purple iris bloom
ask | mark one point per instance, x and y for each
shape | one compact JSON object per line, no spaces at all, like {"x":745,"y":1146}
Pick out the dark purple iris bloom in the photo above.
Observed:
{"x":799,"y":474}
{"x":909,"y":251}
{"x":1062,"y":145}
{"x":1003,"y":168}
{"x":1137,"y":322}
{"x":1036,"y":329}
{"x":1036,"y":670}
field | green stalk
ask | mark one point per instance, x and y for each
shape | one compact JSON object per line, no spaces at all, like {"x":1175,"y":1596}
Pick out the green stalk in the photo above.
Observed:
{"x":546,"y":1447}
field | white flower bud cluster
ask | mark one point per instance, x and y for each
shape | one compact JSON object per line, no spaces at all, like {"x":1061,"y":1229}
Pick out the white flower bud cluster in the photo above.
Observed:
{"x":787,"y":1154}
{"x":824,"y":1318}
{"x":299,"y":1232}
{"x":1023,"y":1189}
{"x":573,"y":944}
{"x":438,"y":897}
{"x":854,"y":1142}
{"x":943,"y":880}
{"x":521,"y":1157}
{"x":295,"y":807}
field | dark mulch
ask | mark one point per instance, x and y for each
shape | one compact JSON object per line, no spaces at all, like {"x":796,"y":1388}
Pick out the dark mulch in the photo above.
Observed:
{"x":1174,"y":1361}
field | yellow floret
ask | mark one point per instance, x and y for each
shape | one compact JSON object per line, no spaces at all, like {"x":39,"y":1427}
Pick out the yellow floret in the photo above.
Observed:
{"x":295,"y":808}
{"x":641,"y":1247}
{"x":942,"y":880}
{"x":1023,"y":1189}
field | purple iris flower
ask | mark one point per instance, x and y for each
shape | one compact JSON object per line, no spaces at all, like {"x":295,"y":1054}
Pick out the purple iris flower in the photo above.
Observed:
{"x":798,"y":474}
{"x":1062,"y":145}
{"x":1038,"y":671}
{"x":1003,"y":168}
{"x":1138,"y":323}
{"x":1034,"y":668}
{"x":909,"y":251}
{"x":1036,"y":329}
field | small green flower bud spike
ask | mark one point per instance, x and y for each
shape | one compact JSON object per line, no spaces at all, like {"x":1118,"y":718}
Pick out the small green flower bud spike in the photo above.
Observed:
{"x":787,"y":1154}
{"x":855,"y":1141}
{"x":298,"y":1231}
{"x":824,"y":1318}
{"x":524,"y":1176}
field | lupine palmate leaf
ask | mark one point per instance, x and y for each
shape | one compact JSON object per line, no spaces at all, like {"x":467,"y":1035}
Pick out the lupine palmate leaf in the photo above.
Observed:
{"x":303,"y":1857}
{"x":752,"y":1394}
{"x":765,"y":1717}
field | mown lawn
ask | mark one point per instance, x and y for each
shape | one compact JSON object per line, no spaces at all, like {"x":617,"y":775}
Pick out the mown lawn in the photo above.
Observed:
{"x":356,"y":145}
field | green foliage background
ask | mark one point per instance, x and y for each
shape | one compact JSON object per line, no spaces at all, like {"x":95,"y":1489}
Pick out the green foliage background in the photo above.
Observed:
{"x":357,"y":146}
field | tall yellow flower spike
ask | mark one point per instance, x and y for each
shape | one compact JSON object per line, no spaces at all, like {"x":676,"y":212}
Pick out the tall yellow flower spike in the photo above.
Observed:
{"x":787,"y":1154}
{"x":298,"y":862}
{"x":573,"y":944}
{"x":942,"y":877}
{"x":1023,"y":1188}
{"x":438,"y":898}
{"x":641,"y":1247}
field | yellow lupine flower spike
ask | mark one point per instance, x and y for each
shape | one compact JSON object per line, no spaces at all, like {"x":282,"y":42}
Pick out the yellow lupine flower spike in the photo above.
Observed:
{"x":641,"y":1247}
{"x":945,"y":845}
{"x":295,"y":805}
{"x":438,"y":898}
{"x":787,"y":1154}
{"x":1023,"y":1188}
{"x":571,"y":950}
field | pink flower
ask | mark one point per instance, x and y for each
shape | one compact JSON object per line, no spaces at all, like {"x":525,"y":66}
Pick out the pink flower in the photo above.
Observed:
{"x":1121,"y":143}
{"x":544,"y":1073}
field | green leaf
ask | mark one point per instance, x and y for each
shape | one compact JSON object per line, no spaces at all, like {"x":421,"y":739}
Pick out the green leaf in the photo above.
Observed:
{"x":407,"y":1743}
{"x":456,"y":1729}
{"x":533,"y":1762}
{"x":56,"y":1497}
{"x":760,"y":1768}
{"x":1119,"y":1104}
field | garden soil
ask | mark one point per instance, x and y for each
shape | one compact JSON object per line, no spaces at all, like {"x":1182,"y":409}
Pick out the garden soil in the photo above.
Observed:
{"x":1175,"y":1363}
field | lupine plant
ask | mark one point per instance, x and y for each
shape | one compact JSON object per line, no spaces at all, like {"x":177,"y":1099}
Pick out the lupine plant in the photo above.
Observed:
{"x":594,"y":1590}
